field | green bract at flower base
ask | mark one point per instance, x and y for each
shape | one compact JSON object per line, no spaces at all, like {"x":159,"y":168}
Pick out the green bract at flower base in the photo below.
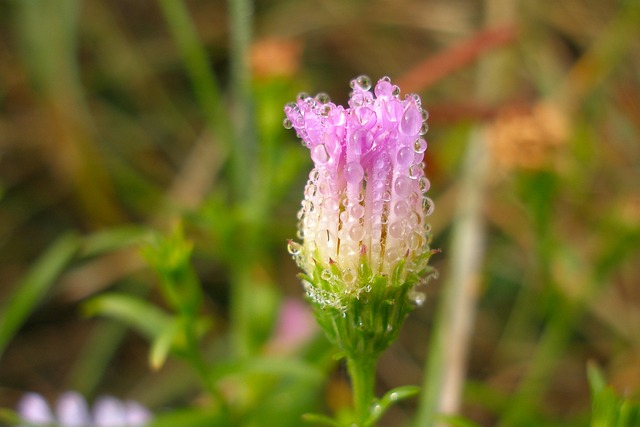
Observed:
{"x":364,"y":320}
{"x":364,"y":237}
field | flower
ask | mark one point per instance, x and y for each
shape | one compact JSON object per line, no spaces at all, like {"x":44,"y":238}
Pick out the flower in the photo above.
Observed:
{"x":363,"y":218}
{"x":295,"y":326}
{"x":71,"y":410}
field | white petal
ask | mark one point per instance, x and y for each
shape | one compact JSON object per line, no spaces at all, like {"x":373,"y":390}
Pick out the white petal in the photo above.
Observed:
{"x":137,"y":415}
{"x":109,"y":412}
{"x":34,"y":409}
{"x":72,"y":410}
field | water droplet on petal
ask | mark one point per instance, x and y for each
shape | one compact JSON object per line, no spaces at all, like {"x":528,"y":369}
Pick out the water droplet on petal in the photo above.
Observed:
{"x":353,"y":172}
{"x":384,"y":88}
{"x":424,"y":128}
{"x":427,"y":206}
{"x":411,"y":121}
{"x":415,"y":171}
{"x":420,"y":145}
{"x":319,"y":154}
{"x":302,"y":96}
{"x":356,"y":232}
{"x":396,"y":230}
{"x":401,"y":209}
{"x":357,"y":211}
{"x":348,"y":276}
{"x":403,"y":185}
{"x":287,"y":123}
{"x":424,"y":184}
{"x":326,"y":275}
{"x":404,"y":158}
{"x":363,"y":82}
{"x":294,"y":248}
{"x":415,"y":241}
{"x":323,"y":98}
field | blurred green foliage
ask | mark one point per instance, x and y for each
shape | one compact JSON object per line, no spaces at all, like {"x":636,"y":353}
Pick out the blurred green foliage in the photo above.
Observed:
{"x":120,"y":120}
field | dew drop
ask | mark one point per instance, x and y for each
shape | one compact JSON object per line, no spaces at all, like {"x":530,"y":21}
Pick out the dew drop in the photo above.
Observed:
{"x":415,"y":171}
{"x":396,"y":91}
{"x":416,"y":241}
{"x":319,"y":154}
{"x":418,"y":298}
{"x":411,"y":121}
{"x":348,"y":276}
{"x":326,"y":275}
{"x":424,"y":128}
{"x":310,"y":190}
{"x":353,"y":172}
{"x":323,"y":98}
{"x":357,"y":211}
{"x":294,"y":248}
{"x":420,"y":145}
{"x":363,"y":82}
{"x":376,"y":409}
{"x":287,"y":123}
{"x":401,"y":209}
{"x":425,"y":115}
{"x":302,"y":96}
{"x":404,"y":157}
{"x":325,"y":110}
{"x":427,"y":206}
{"x":356,"y":232}
{"x":396,"y":230}
{"x":403,"y":185}
{"x":425,"y":184}
{"x":366,"y":117}
{"x":414,"y":219}
{"x":384,"y":87}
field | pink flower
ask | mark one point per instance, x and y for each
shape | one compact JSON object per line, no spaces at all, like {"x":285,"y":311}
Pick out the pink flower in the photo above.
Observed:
{"x":294,"y":328}
{"x":365,"y":202}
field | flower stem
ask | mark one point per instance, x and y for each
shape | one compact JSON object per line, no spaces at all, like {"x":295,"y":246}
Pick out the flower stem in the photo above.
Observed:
{"x":362,"y":371}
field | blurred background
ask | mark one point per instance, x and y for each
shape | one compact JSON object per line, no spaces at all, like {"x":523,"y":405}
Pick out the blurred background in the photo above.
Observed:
{"x":120,"y":117}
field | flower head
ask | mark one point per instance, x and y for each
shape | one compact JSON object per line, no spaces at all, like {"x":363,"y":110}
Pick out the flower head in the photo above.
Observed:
{"x":366,"y":196}
{"x":363,"y":217}
{"x":71,"y":410}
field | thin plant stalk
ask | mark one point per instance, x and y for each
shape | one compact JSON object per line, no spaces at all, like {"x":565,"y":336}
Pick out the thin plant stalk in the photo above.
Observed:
{"x":362,"y":372}
{"x":447,"y":357}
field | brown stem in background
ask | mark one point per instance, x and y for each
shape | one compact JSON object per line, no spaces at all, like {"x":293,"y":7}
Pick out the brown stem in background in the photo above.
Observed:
{"x":434,"y":68}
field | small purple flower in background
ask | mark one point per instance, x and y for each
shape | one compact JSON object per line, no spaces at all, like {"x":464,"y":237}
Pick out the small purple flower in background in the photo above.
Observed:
{"x":71,"y":410}
{"x":365,"y":203}
{"x":294,"y":328}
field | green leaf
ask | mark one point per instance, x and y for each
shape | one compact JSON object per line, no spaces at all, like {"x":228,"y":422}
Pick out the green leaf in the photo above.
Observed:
{"x":113,"y":239}
{"x":392,"y":396}
{"x":596,"y":378}
{"x":162,"y":345}
{"x":33,"y":288}
{"x":320,"y":419}
{"x":140,"y":315}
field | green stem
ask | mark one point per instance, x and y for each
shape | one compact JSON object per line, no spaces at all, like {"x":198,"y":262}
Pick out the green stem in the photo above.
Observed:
{"x":243,"y":117}
{"x":363,"y":377}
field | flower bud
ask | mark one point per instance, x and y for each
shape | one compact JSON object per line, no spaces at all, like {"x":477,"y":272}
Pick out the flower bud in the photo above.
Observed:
{"x":363,"y":218}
